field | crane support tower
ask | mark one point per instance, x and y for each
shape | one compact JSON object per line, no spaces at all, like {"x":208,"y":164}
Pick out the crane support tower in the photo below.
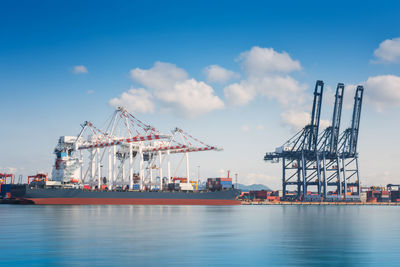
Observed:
{"x":322,"y":166}
{"x":328,"y":147}
{"x":299,"y":155}
{"x":348,"y":151}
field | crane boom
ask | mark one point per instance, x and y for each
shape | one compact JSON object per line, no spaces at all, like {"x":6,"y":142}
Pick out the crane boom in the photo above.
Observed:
{"x":355,"y":123}
{"x":315,"y":116}
{"x":337,"y":113}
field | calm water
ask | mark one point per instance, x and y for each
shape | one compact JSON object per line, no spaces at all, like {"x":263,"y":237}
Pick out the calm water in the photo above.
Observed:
{"x":199,"y":236}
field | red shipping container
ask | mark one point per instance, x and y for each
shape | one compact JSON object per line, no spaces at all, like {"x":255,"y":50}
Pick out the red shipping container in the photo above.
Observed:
{"x":226,"y":179}
{"x":273,"y":198}
{"x":261,"y":194}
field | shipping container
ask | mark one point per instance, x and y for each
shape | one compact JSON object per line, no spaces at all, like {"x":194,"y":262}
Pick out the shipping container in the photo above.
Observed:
{"x":394,"y":195}
{"x":5,"y":188}
{"x":180,"y":179}
{"x":136,"y":187}
{"x":86,"y":186}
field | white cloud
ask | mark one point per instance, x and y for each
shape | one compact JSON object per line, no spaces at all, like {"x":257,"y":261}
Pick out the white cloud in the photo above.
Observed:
{"x":266,"y":75}
{"x":245,"y":128}
{"x":297,"y":119}
{"x":286,"y":90}
{"x":90,"y":92}
{"x":239,"y":94}
{"x":383,"y":91}
{"x":161,"y":76}
{"x":80,"y":69}
{"x":348,"y":98}
{"x":323,"y":124}
{"x":135,"y":100}
{"x":388,"y":51}
{"x":171,"y":86}
{"x":191,"y":98}
{"x":258,"y":61}
{"x":218,"y":74}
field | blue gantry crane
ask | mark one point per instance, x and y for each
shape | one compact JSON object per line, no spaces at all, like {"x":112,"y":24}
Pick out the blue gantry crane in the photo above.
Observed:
{"x":299,"y":155}
{"x":322,"y":161}
{"x":348,"y":151}
{"x":328,"y":147}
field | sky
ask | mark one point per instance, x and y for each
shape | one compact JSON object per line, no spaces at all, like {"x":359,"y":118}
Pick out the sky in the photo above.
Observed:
{"x":236,"y":74}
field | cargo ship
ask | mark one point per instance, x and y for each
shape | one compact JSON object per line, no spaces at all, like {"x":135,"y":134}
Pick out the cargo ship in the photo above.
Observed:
{"x":129,"y":163}
{"x":70,"y":196}
{"x":41,"y":191}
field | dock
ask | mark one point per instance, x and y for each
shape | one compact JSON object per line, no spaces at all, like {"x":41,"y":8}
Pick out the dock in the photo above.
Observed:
{"x":294,"y":203}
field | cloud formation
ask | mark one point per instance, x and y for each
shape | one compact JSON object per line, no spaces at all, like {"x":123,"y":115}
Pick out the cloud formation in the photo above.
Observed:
{"x":383,"y":91}
{"x":388,"y":51}
{"x":259,"y":61}
{"x":297,"y":119}
{"x":267,"y":74}
{"x":218,"y":74}
{"x":171,"y":87}
{"x":161,"y":76}
{"x":191,"y":98}
{"x":245,"y":128}
{"x":240,"y":94}
{"x":135,"y":100}
{"x":79,"y":69}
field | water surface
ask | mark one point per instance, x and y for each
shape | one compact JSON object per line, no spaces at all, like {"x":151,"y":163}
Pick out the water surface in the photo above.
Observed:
{"x":199,"y":235}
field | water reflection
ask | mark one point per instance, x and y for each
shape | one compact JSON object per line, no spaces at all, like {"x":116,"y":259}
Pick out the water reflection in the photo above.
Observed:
{"x":199,"y":235}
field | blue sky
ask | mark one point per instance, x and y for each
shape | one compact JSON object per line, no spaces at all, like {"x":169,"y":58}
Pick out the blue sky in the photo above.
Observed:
{"x":43,"y":97}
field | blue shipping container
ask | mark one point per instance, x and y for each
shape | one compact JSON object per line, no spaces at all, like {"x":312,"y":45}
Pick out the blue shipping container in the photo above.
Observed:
{"x":5,"y":188}
{"x":226,"y":182}
{"x":136,"y":186}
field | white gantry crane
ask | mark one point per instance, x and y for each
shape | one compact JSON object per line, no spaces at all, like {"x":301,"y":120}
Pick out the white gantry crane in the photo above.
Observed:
{"x":126,"y":153}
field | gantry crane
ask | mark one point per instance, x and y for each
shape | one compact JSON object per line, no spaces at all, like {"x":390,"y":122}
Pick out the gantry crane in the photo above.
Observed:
{"x":326,"y":160}
{"x":125,"y":139}
{"x":348,"y":150}
{"x":4,"y":176}
{"x":328,"y":146}
{"x":300,"y":157}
